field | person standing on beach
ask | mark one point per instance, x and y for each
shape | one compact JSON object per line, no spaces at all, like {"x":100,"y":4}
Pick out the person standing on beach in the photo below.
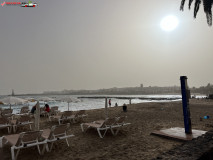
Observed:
{"x":33,"y":109}
{"x":109,"y":102}
{"x":124,"y":107}
{"x":47,"y":108}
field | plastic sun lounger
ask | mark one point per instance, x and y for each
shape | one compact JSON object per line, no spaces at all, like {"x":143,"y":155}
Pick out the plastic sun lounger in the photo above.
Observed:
{"x":5,"y":123}
{"x":54,"y":111}
{"x":101,"y":125}
{"x":58,"y":132}
{"x":22,"y":121}
{"x":24,"y":111}
{"x":67,"y":115}
{"x":110,"y":123}
{"x":120,"y":122}
{"x":81,"y":114}
{"x":7,"y":113}
{"x":22,"y":140}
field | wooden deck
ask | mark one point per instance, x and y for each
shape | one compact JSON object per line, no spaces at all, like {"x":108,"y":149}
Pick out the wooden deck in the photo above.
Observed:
{"x":179,"y":133}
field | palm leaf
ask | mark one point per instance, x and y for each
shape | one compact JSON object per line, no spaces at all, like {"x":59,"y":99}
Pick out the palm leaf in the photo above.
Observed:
{"x":196,"y":8}
{"x":207,"y":4}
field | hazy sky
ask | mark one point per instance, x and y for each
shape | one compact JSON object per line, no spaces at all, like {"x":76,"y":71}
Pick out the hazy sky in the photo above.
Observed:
{"x":93,"y":44}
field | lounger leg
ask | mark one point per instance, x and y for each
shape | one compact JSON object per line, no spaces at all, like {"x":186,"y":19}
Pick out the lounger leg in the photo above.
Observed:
{"x":14,"y":128}
{"x":112,"y":131}
{"x":30,"y":127}
{"x":39,"y":151}
{"x":8,"y":128}
{"x":67,"y":142}
{"x":43,"y":150}
{"x":47,"y":148}
{"x":1,"y":142}
{"x":17,"y":153}
{"x":99,"y":132}
{"x":51,"y":146}
{"x":12,"y":153}
{"x":82,"y":127}
{"x":117,"y":131}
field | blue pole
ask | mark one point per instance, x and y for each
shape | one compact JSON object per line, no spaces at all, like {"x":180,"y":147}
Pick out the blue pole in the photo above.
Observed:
{"x":185,"y":100}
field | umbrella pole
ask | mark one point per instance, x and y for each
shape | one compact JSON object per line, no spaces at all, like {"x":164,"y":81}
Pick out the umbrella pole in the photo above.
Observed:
{"x":68,"y":106}
{"x":106,"y":110}
{"x":37,"y":116}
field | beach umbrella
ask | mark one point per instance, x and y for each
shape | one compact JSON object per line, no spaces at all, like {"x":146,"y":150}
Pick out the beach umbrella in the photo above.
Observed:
{"x":10,"y":100}
{"x":70,"y":99}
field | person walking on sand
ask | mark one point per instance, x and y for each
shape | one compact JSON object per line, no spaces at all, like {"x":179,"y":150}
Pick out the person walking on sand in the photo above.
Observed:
{"x":124,"y":107}
{"x":109,"y":102}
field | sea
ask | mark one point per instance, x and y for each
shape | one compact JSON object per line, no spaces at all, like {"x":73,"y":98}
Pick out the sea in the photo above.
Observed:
{"x":89,"y":102}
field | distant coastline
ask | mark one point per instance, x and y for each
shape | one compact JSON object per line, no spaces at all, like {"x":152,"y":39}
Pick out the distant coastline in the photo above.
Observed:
{"x":141,"y":90}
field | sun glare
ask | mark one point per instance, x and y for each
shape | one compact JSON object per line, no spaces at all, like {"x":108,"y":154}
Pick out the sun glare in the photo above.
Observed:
{"x":169,"y":23}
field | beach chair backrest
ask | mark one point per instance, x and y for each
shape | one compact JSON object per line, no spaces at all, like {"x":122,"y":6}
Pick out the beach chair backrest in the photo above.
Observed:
{"x":59,"y":130}
{"x":24,"y":110}
{"x":7,"y":113}
{"x":55,"y":108}
{"x":110,"y":121}
{"x":24,"y":118}
{"x":4,"y":121}
{"x":66,"y":114}
{"x":26,"y":138}
{"x":121,"y":120}
{"x":42,"y":109}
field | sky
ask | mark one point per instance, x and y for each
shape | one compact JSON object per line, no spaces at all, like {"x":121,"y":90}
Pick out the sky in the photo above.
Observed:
{"x":94,"y":44}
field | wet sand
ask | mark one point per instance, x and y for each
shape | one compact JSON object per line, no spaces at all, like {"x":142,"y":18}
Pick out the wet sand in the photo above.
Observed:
{"x":132,"y":142}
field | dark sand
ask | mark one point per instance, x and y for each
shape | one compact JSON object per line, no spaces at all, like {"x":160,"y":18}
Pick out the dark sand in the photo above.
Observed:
{"x":133,"y":141}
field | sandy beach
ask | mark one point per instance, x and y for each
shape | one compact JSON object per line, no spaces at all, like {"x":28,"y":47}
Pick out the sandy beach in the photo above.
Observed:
{"x":132,"y":142}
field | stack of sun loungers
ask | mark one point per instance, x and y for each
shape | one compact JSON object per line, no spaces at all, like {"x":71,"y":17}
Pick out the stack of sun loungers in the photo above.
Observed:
{"x":5,"y":123}
{"x":68,"y":116}
{"x":23,"y":120}
{"x":36,"y":138}
{"x":24,"y":111}
{"x":7,"y":113}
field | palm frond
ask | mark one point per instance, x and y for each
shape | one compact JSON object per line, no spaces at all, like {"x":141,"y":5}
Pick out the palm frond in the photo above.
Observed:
{"x":196,"y":8}
{"x":182,"y":5}
{"x":190,"y":3}
{"x":207,"y":5}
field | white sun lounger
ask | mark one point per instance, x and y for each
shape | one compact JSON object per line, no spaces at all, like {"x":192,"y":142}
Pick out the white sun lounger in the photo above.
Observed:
{"x":104,"y":125}
{"x":58,"y":132}
{"x":22,"y":140}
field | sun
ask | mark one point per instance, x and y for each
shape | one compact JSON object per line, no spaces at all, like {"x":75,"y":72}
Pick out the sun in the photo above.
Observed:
{"x":169,"y":23}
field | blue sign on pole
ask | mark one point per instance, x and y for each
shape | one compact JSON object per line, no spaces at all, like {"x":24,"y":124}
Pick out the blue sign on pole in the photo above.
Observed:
{"x":185,"y":101}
